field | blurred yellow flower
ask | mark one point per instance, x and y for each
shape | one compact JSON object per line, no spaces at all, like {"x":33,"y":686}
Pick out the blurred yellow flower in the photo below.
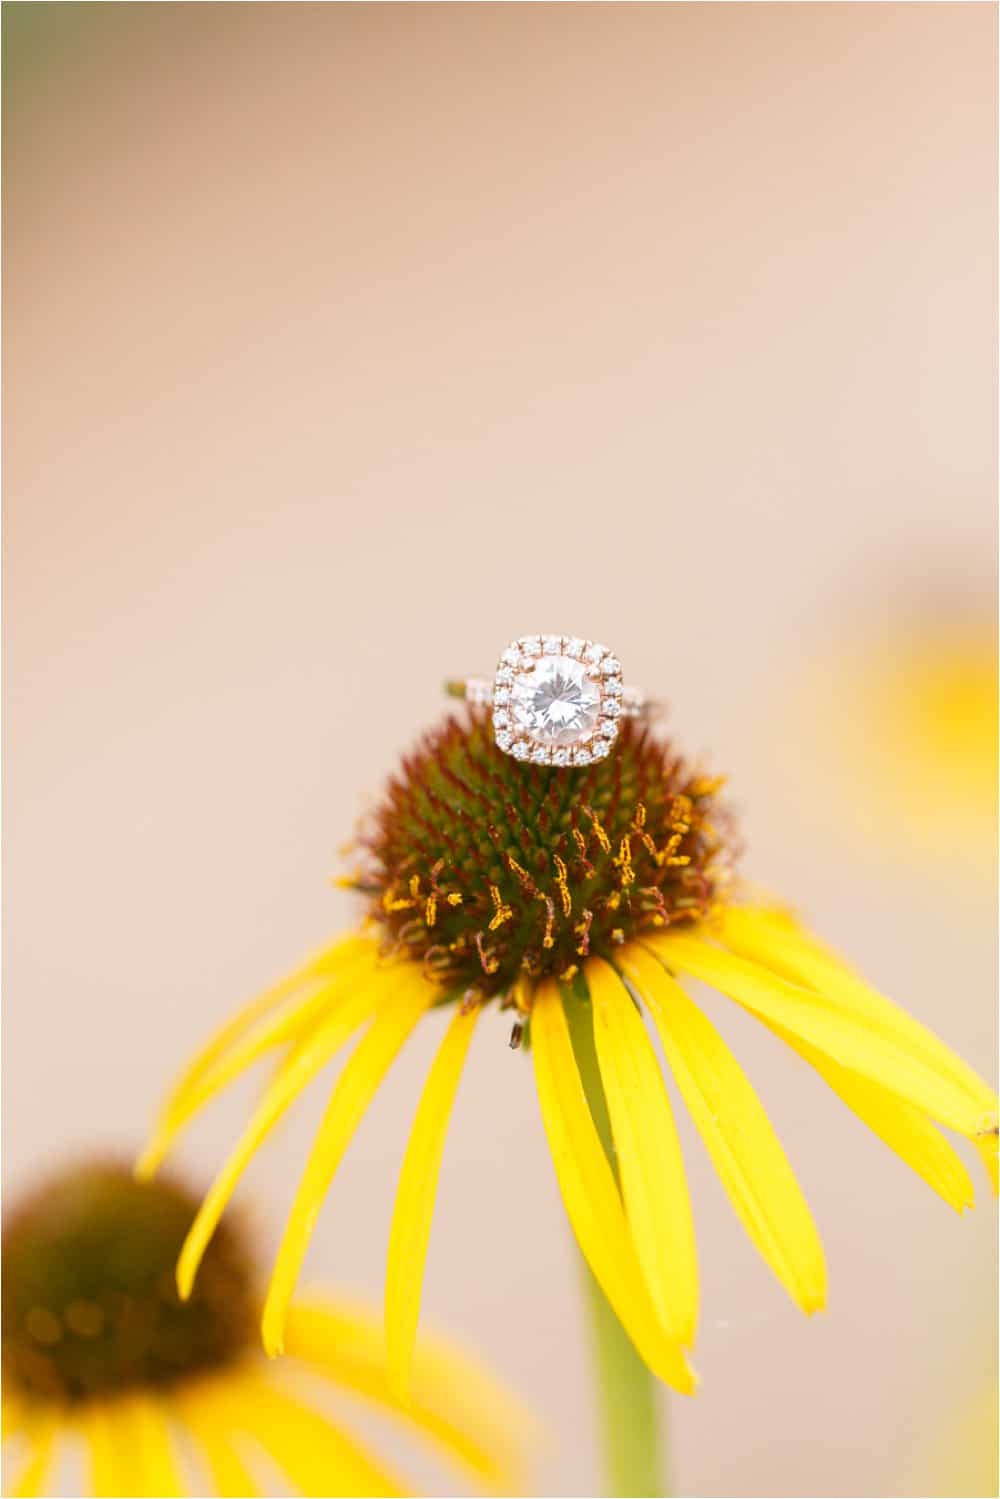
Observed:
{"x":956,"y":1454}
{"x":575,"y":900}
{"x":907,"y":725}
{"x":172,"y":1397}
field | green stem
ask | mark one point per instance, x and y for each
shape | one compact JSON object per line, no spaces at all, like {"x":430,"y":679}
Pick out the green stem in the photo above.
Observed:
{"x":633,"y":1459}
{"x":630,"y":1404}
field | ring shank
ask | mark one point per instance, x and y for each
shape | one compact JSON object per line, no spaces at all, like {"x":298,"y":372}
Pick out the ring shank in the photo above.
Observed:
{"x":472,"y":689}
{"x":635,"y":703}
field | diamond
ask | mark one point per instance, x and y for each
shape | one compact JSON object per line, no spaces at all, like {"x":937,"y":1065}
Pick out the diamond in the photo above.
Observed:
{"x":561,"y":757}
{"x":594,"y":653}
{"x":613,"y":688}
{"x":575,"y":647}
{"x":556,"y":701}
{"x":552,"y":644}
{"x":608,"y":729}
{"x":511,"y":656}
{"x":531,"y":645}
{"x":611,"y":667}
{"x":611,"y":707}
{"x":504,"y":674}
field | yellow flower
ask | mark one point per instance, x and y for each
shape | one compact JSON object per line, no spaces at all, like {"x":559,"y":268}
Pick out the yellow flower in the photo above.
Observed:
{"x":99,"y":1348}
{"x":907,"y":725}
{"x":577,"y":900}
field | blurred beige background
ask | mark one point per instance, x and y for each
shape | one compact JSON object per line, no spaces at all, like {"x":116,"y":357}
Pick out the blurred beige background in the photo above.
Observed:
{"x":344,"y":343}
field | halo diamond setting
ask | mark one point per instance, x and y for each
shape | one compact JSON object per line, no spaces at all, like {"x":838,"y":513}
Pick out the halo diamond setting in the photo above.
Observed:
{"x":557,"y":700}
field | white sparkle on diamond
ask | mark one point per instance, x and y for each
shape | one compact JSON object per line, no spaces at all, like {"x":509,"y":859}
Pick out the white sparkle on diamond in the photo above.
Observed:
{"x":557,"y":701}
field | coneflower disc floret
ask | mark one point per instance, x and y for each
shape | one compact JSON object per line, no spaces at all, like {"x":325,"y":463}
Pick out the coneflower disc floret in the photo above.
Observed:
{"x":489,"y":872}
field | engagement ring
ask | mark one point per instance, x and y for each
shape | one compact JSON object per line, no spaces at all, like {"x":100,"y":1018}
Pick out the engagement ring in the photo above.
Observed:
{"x":556,"y":700}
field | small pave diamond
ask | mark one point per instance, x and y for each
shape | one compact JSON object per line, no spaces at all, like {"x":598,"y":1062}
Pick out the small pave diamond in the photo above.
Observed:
{"x":611,"y":667}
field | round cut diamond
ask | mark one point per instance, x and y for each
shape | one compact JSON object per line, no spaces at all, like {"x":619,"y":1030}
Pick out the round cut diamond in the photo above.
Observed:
{"x":557,"y":701}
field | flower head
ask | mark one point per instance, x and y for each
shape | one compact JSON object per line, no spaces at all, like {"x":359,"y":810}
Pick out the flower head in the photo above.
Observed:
{"x":97,"y":1343}
{"x":492,"y":874}
{"x":580,"y":899}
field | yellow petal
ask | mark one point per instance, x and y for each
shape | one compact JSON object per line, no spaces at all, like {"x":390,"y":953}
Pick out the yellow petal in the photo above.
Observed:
{"x":209,"y":1431}
{"x":906,"y":1131}
{"x":778,"y":944}
{"x":258,"y":1039}
{"x":261,"y":1038}
{"x":152,"y":1449}
{"x":589,"y":1192}
{"x":39,"y":1459}
{"x":411,"y":1219}
{"x":737,"y":1133}
{"x":455,"y":1402}
{"x":318,"y":1457}
{"x":986,"y":1144}
{"x":352,"y":1094}
{"x":320,"y":965}
{"x":648,"y":1153}
{"x":113,"y":1465}
{"x":295,"y":1074}
{"x":846,"y":1037}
